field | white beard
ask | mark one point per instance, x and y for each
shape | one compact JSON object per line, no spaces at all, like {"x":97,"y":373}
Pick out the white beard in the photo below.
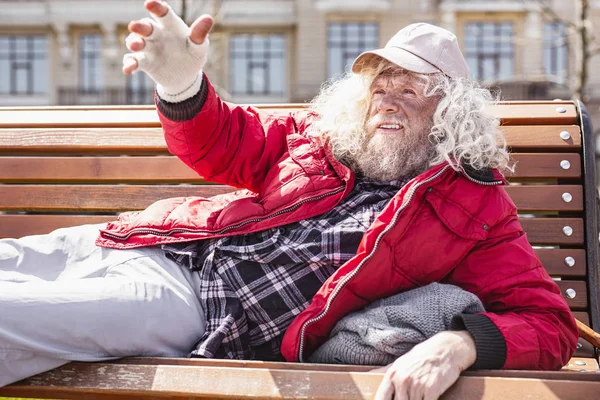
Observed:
{"x":386,"y":157}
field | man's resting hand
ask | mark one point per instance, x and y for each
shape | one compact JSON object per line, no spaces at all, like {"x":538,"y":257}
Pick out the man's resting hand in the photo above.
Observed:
{"x":169,"y":51}
{"x":429,"y":369}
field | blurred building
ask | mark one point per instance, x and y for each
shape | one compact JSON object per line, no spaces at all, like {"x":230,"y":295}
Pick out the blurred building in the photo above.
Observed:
{"x":63,"y":52}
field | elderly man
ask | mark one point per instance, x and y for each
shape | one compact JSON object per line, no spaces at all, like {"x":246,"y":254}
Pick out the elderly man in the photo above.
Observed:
{"x":388,"y":183}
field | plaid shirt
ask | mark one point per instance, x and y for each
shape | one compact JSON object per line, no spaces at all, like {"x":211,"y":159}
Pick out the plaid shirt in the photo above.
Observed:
{"x":254,"y":285}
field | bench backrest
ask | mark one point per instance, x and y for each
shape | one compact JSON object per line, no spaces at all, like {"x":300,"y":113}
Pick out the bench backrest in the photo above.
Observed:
{"x":68,"y":166}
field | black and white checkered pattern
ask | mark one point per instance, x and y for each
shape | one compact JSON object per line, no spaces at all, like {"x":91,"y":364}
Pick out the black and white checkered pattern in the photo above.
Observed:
{"x":254,"y":285}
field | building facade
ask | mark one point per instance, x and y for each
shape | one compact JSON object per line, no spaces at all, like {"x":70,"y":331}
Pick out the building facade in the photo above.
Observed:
{"x":66,"y":52}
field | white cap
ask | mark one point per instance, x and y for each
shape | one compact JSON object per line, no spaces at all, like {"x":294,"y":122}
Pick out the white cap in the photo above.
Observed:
{"x":421,"y":48}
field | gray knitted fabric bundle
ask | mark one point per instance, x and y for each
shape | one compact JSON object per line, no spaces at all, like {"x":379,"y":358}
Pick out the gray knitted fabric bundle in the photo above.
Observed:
{"x":390,"y":327}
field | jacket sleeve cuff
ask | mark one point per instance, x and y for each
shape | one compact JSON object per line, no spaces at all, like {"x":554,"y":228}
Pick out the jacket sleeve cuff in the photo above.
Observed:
{"x":489,"y":341}
{"x":186,"y":109}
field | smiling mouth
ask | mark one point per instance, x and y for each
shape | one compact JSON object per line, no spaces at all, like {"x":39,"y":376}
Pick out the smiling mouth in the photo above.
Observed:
{"x":390,"y":126}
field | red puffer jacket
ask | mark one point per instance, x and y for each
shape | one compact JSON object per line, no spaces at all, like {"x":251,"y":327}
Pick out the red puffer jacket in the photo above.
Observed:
{"x":447,"y":226}
{"x":450,"y":227}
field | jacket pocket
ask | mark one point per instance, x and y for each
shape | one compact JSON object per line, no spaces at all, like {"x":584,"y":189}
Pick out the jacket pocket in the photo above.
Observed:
{"x":456,"y":218}
{"x":438,"y":236}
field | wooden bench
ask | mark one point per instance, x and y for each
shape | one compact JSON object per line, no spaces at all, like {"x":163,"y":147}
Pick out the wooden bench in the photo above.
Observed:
{"x":69,"y":166}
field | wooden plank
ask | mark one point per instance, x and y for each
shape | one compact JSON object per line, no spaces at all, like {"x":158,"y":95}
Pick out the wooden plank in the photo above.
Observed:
{"x":590,"y":365}
{"x":82,"y":141}
{"x":546,"y":197}
{"x":100,"y":116}
{"x":535,"y":113}
{"x":121,"y":117}
{"x":511,"y":113}
{"x":23,"y":225}
{"x":62,"y":197}
{"x":16,"y":226}
{"x":543,"y":165}
{"x":549,"y":231}
{"x":272,"y":106}
{"x":96,"y":198}
{"x":171,"y":169}
{"x":134,"y":140}
{"x":103,"y":381}
{"x":162,"y":169}
{"x":579,"y":300}
{"x":543,"y":137}
{"x":554,"y":261}
{"x":213,"y":362}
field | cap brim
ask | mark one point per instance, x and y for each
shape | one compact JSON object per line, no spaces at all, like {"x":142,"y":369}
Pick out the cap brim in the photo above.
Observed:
{"x":395,"y":55}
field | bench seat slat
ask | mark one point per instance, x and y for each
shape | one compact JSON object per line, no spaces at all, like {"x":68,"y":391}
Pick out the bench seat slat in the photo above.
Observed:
{"x":96,"y":198}
{"x":530,"y":165}
{"x":550,"y":231}
{"x":542,"y":137}
{"x":78,"y":380}
{"x":546,"y":197}
{"x":170,"y":169}
{"x":100,"y":116}
{"x":513,"y":113}
{"x":579,"y":302}
{"x":161,"y":169}
{"x":82,"y":141}
{"x":540,"y":231}
{"x":16,"y":197}
{"x":135,"y":140}
{"x":16,"y":226}
{"x":591,"y":365}
{"x":23,"y":225}
{"x":535,"y":113}
{"x":554,"y":261}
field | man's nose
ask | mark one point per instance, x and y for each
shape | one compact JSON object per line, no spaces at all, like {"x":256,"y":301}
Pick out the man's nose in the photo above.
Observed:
{"x":388,"y":104}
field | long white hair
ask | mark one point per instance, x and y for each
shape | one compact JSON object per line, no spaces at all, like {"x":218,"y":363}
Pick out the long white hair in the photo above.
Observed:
{"x":462,"y":132}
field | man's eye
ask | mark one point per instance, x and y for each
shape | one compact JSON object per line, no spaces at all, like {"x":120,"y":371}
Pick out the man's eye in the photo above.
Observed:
{"x":409,"y":92}
{"x":378,"y":91}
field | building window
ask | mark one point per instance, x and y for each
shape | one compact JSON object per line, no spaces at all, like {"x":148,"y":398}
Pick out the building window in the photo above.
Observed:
{"x":257,"y":64}
{"x":90,"y":63}
{"x":140,"y":89}
{"x":555,"y":51}
{"x":23,"y":64}
{"x":489,"y":50}
{"x":346,"y":41}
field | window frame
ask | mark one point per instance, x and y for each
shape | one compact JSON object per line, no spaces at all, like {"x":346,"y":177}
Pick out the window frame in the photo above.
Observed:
{"x":483,"y":52}
{"x":95,"y":56}
{"x":252,"y":60}
{"x":553,"y":70}
{"x":15,"y":63}
{"x":364,"y":43}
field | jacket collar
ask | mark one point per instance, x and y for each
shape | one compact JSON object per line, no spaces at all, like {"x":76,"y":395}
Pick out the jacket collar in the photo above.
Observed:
{"x":485,"y":176}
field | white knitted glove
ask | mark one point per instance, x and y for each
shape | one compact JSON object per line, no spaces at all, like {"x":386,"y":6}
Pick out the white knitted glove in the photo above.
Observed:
{"x":171,"y":59}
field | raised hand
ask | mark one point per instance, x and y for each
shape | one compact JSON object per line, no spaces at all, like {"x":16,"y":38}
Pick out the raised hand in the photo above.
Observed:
{"x":169,"y":51}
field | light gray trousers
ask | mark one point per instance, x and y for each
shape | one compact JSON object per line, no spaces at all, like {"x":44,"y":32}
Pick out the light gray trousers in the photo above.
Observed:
{"x":62,"y":299}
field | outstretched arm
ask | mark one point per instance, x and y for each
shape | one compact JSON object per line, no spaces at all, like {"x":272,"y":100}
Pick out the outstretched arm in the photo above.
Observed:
{"x":222,"y":142}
